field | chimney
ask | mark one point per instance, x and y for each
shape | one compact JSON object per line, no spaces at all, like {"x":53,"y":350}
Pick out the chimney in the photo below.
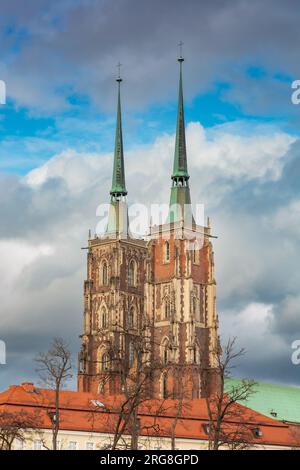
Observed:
{"x":28,"y":386}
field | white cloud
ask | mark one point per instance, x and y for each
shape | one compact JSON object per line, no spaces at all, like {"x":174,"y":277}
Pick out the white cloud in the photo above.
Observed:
{"x":286,"y":219}
{"x":222,"y":149}
{"x":78,"y":170}
{"x":17,"y":255}
{"x":250,"y":325}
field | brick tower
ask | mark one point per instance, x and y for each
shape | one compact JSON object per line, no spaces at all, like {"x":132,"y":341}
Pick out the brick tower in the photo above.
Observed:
{"x":113,"y":291}
{"x":181,"y":297}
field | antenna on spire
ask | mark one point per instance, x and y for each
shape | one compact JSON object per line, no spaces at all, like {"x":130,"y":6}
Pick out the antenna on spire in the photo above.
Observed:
{"x":180,"y":58}
{"x":119,"y":79}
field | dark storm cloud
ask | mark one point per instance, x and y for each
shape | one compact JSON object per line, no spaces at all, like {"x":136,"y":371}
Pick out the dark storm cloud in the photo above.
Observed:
{"x":53,"y":49}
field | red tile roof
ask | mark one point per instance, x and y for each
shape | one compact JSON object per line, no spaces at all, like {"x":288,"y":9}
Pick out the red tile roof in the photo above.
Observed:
{"x":79,"y":412}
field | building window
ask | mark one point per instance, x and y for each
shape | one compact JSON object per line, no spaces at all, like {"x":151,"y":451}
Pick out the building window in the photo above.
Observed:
{"x":131,"y":318}
{"x":104,"y":274}
{"x":166,"y":354}
{"x":89,"y":446}
{"x":105,"y":361}
{"x":131,"y":354}
{"x":19,"y":445}
{"x":195,"y":358}
{"x":167,"y":252}
{"x":206,"y":428}
{"x":37,"y":444}
{"x":104,"y":318}
{"x":164,"y":386}
{"x":72,"y":445}
{"x":202,"y":304}
{"x":131,"y":274}
{"x":257,"y":432}
{"x":165,"y":351}
{"x":167,"y":309}
{"x":196,"y":308}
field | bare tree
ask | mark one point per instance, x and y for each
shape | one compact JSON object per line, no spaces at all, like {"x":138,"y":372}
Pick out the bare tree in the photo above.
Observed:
{"x":14,"y":426}
{"x":55,"y":369}
{"x":228,"y":425}
{"x":180,"y":406}
{"x":135,"y":370}
{"x":136,"y":377}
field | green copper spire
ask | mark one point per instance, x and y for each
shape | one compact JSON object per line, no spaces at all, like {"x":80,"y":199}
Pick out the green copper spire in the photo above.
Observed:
{"x":117,"y":226}
{"x":180,"y":160}
{"x":118,"y":187}
{"x":180,"y":200}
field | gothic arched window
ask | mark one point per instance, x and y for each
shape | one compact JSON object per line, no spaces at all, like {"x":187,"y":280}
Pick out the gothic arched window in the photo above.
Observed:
{"x":166,"y":252}
{"x":195,"y":355}
{"x":164,"y":386}
{"x":104,"y":274}
{"x":165,"y":351}
{"x":131,"y":354}
{"x":131,"y":319}
{"x":105,"y":361}
{"x":196,"y":308}
{"x":166,"y":354}
{"x":167,"y":309}
{"x":104,"y":318}
{"x":131,"y":274}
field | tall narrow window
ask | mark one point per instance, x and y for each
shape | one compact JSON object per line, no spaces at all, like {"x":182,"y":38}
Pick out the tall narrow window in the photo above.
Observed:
{"x":104,"y":318}
{"x":196,"y":310}
{"x":131,"y":318}
{"x":164,"y":386}
{"x":131,"y":354}
{"x":195,"y":355}
{"x":166,"y":354}
{"x":105,"y":361}
{"x":104,"y":274}
{"x":166,"y":252}
{"x":167,"y":311}
{"x":165,"y":351}
{"x":131,"y":274}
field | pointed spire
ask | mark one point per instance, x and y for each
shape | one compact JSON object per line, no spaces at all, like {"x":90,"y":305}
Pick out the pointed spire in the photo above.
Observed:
{"x":180,"y":200}
{"x":118,"y":224}
{"x":180,"y":159}
{"x":118,"y":187}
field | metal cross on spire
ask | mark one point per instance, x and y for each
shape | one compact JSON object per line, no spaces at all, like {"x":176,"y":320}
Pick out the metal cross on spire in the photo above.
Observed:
{"x":180,"y":58}
{"x":119,"y":65}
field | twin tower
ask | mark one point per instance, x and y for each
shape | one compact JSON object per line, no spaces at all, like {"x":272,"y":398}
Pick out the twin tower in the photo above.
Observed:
{"x":150,"y":320}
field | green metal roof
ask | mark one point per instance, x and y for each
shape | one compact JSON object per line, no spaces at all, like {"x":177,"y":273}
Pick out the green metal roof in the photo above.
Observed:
{"x":180,"y":205}
{"x":272,"y":398}
{"x":118,"y":222}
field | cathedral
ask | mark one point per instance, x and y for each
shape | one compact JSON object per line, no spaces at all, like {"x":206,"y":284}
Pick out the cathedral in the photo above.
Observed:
{"x":150,"y":303}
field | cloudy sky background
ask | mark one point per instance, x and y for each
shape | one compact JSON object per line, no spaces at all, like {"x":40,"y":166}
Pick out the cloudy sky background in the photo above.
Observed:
{"x":57,"y":130}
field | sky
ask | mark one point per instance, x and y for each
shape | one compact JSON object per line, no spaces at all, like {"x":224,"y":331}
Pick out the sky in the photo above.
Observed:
{"x":58,"y":60}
